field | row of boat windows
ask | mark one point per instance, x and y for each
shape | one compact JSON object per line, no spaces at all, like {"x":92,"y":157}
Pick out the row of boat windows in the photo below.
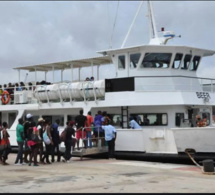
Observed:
{"x":142,"y":119}
{"x":161,"y":60}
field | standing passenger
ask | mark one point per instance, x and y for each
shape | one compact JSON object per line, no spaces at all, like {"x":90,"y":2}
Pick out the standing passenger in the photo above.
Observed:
{"x":81,"y":123}
{"x":28,"y":129}
{"x":68,"y":141}
{"x":40,"y":127}
{"x":88,"y":130}
{"x":5,"y":143}
{"x":110,"y":137}
{"x":20,"y":140}
{"x":98,"y":131}
{"x":48,"y":146}
{"x":56,"y":140}
{"x":34,"y":144}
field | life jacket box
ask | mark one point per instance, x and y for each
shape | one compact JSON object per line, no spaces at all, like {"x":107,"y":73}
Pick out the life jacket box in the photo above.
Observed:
{"x":20,"y":97}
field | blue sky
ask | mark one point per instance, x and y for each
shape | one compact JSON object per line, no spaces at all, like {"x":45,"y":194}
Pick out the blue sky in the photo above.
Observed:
{"x":36,"y":32}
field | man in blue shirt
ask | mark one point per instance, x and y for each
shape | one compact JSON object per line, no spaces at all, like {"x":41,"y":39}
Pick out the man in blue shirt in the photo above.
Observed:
{"x":133,"y":124}
{"x":110,"y":137}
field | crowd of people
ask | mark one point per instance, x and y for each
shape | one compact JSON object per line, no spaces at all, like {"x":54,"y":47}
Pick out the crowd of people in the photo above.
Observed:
{"x":32,"y":136}
{"x":11,"y":88}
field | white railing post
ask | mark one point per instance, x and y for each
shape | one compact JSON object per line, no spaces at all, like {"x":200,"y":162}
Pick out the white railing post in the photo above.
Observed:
{"x":59,"y":92}
{"x":94,"y":92}
{"x":69,"y":91}
{"x":47,"y":94}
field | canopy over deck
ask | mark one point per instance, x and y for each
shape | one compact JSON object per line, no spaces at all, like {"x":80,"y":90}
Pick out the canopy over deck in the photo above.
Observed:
{"x":95,"y":61}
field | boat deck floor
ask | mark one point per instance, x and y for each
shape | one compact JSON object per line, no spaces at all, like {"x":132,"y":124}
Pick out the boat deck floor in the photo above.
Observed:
{"x":104,"y":176}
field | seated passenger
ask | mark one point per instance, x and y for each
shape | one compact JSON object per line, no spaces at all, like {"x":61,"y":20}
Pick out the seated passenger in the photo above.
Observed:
{"x":146,"y":121}
{"x":199,"y":122}
{"x":133,"y":124}
{"x":17,"y":87}
{"x":138,"y":119}
{"x":22,"y":86}
{"x":205,"y":122}
{"x":30,"y":86}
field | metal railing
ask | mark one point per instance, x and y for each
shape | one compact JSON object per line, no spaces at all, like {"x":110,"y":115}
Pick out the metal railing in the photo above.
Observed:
{"x":99,"y":141}
{"x":142,"y":84}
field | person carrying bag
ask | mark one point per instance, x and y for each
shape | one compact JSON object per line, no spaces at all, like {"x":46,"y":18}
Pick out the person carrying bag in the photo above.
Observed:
{"x":4,"y":144}
{"x":34,"y":144}
{"x":48,"y":141}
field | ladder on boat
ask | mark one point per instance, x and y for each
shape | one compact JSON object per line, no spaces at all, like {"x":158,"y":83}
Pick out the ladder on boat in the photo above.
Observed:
{"x":124,"y":114}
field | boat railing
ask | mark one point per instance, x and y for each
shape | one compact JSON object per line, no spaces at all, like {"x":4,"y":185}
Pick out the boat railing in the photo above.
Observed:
{"x":88,"y":90}
{"x":63,"y":93}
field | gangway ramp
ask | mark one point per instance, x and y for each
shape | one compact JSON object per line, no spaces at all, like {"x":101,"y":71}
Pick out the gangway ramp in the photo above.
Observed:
{"x":89,"y":151}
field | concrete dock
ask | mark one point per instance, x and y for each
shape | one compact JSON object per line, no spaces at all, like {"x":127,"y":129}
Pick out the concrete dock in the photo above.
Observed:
{"x":104,"y":176}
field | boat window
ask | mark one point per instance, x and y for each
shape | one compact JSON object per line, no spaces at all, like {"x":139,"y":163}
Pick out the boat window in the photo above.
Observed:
{"x":134,"y":59}
{"x":195,"y":62}
{"x":186,"y":63}
{"x":156,"y":60}
{"x":11,"y":119}
{"x":54,"y":118}
{"x":179,"y":117}
{"x":116,"y":119}
{"x":71,"y":117}
{"x":177,"y":60}
{"x":121,"y":62}
{"x":151,"y":119}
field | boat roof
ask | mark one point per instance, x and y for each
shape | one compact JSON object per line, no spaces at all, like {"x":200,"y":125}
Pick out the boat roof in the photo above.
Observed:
{"x":105,"y":59}
{"x":205,"y":52}
{"x":97,"y":61}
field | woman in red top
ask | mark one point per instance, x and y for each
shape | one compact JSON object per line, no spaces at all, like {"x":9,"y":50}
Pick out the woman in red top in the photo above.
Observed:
{"x":5,"y":143}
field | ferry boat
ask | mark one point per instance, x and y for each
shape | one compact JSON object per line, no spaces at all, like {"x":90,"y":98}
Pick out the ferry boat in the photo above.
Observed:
{"x":156,"y":82}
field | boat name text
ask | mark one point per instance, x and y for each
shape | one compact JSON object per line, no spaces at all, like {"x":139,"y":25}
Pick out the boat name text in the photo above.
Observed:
{"x":203,"y":95}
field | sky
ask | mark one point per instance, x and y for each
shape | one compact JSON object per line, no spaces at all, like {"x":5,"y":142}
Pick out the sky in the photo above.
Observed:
{"x":38,"y":32}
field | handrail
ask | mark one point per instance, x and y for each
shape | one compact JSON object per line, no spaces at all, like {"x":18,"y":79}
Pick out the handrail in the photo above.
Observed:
{"x":97,"y":138}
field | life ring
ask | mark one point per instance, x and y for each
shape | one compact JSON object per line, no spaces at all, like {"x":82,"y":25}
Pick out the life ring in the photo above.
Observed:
{"x":3,"y":99}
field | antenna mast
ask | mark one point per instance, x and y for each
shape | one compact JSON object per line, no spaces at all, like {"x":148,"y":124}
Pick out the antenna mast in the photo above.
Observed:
{"x":126,"y":37}
{"x":153,"y":28}
{"x":154,"y":38}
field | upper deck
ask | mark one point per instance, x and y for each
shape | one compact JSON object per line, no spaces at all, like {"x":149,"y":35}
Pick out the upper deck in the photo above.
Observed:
{"x":149,"y":68}
{"x":145,"y":60}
